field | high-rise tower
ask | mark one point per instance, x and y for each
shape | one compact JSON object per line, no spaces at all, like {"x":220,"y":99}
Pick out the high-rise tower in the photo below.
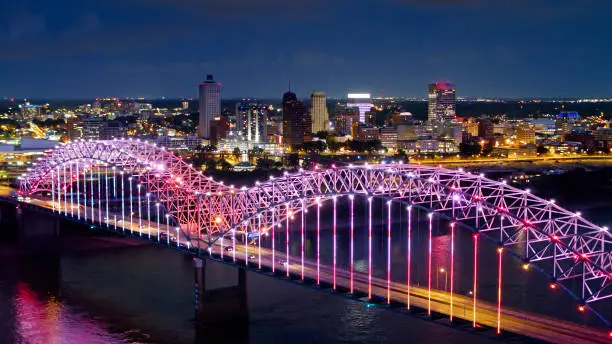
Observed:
{"x":251,"y":120}
{"x":441,"y":102}
{"x":210,"y":105}
{"x":297,"y":125}
{"x":318,"y":112}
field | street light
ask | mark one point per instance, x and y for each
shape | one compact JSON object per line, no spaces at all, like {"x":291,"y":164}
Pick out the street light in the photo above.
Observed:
{"x":443,"y":271}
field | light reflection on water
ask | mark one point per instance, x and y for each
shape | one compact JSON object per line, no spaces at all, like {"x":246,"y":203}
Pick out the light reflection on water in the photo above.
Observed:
{"x":144,"y":295}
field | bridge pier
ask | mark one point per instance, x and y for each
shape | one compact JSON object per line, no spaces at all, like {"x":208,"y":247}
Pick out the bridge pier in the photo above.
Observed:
{"x":35,"y":229}
{"x":221,"y":303}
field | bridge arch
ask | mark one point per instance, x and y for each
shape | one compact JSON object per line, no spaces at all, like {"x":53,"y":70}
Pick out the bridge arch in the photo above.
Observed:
{"x":175,"y":183}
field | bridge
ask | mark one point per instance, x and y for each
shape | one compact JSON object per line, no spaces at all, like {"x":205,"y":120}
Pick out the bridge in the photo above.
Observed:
{"x":137,"y":188}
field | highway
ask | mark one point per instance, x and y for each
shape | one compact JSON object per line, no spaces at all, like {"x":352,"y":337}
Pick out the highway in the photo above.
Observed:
{"x":527,"y":324}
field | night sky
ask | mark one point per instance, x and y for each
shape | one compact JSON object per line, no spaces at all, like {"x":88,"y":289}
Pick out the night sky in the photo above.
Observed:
{"x":154,"y":48}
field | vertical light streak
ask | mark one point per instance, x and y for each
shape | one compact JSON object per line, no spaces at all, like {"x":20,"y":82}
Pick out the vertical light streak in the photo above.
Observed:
{"x":71,"y":194}
{"x":78,"y":185}
{"x":158,"y":226}
{"x":91,"y":189}
{"x":139,"y":186}
{"x":234,"y":244}
{"x":149,"y":213}
{"x":352,"y":198}
{"x":115,"y":191}
{"x":475,"y":278}
{"x":65,"y":187}
{"x":106,"y":186}
{"x":273,"y":228}
{"x":430,"y":215}
{"x":59,"y":191}
{"x":369,"y":247}
{"x":168,"y":229}
{"x":52,"y":191}
{"x":59,"y":188}
{"x":302,"y":239}
{"x":99,"y":181}
{"x":246,"y":244}
{"x":335,"y":246}
{"x":131,"y":206}
{"x":499,"y":288}
{"x":287,"y":239}
{"x":389,"y":252}
{"x":259,"y":241}
{"x":318,"y":241}
{"x":122,"y":201}
{"x":409,"y":256}
{"x":452,"y":269}
{"x":85,"y":192}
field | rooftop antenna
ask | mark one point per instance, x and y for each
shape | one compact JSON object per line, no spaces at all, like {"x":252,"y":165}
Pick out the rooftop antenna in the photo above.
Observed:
{"x":289,"y":85}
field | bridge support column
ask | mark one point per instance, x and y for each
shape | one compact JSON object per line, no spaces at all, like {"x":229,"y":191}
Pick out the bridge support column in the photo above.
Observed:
{"x":221,"y":303}
{"x":35,"y":229}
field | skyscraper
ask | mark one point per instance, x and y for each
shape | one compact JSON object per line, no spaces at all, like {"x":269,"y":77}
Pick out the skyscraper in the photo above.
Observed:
{"x":318,"y":112}
{"x":251,"y":120}
{"x":297,"y":125}
{"x":360,"y":101}
{"x":210,"y":105}
{"x":441,"y":102}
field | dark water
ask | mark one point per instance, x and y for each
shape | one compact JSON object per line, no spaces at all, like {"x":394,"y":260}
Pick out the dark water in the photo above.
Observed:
{"x":144,"y":295}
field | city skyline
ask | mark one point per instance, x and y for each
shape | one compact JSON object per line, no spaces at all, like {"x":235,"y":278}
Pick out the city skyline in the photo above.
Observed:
{"x":544,"y":49}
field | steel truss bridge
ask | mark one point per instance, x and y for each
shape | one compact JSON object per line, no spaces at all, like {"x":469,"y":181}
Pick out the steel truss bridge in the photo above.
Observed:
{"x":122,"y":182}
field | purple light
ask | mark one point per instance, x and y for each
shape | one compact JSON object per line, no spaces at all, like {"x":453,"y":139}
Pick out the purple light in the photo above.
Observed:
{"x":429,"y":253}
{"x":369,"y":247}
{"x":335,"y":251}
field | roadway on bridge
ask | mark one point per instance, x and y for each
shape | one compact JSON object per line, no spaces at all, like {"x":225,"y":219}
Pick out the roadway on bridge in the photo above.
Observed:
{"x":531,"y":325}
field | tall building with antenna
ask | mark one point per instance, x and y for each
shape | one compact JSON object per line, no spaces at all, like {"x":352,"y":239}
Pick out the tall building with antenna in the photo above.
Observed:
{"x":209,"y":106}
{"x":297,"y":124}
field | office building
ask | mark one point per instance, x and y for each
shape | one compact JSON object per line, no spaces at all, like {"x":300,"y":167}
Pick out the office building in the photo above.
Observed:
{"x":388,"y":137}
{"x":318,"y":112}
{"x":219,"y":126}
{"x":442,"y":101}
{"x":251,"y":120}
{"x":360,"y":101}
{"x":297,"y":125}
{"x":343,"y":121}
{"x":93,"y":127}
{"x":209,"y":106}
{"x":525,"y":134}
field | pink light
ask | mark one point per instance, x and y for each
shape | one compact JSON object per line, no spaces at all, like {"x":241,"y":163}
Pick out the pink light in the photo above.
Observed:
{"x":246,"y":245}
{"x":499,"y":288}
{"x":302,"y":240}
{"x":452,"y":269}
{"x":287,"y":240}
{"x":318,"y":242}
{"x":335,"y":251}
{"x":369,"y":247}
{"x":273,"y":250}
{"x":429,"y":265}
{"x":475,"y":276}
{"x":259,"y":241}
{"x":389,"y":253}
{"x":351,"y":197}
{"x":409,"y":258}
{"x":233,"y":244}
